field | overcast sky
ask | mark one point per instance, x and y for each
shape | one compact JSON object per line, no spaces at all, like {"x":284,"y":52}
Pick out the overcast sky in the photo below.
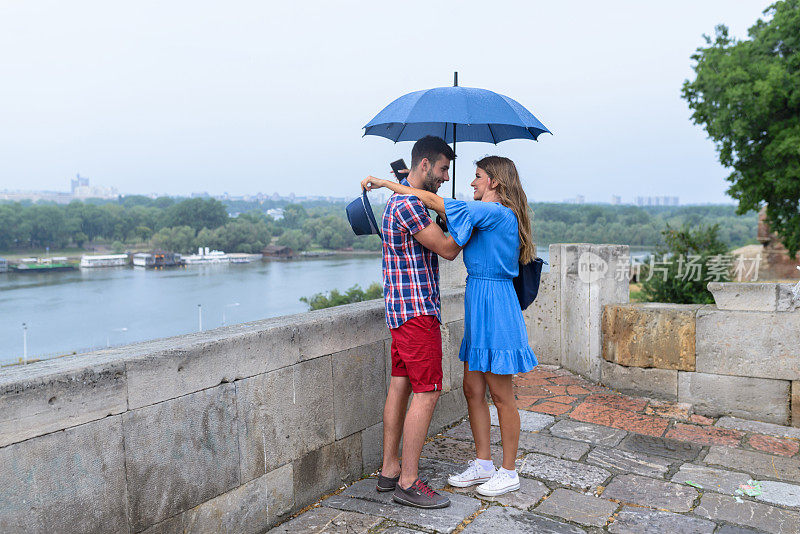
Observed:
{"x":245,"y":96}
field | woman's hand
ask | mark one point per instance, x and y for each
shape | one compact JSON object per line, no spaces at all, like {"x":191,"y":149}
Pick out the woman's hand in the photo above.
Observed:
{"x":370,"y":182}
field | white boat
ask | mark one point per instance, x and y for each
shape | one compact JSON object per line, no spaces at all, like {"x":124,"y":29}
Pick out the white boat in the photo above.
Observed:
{"x":107,"y":260}
{"x":3,"y":265}
{"x":205,"y":256}
{"x":241,"y":257}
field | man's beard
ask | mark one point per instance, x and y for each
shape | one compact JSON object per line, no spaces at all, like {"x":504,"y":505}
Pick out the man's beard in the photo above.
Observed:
{"x":431,"y":182}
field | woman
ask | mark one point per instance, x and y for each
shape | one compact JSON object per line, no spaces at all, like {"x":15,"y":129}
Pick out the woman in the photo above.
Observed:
{"x":495,"y":235}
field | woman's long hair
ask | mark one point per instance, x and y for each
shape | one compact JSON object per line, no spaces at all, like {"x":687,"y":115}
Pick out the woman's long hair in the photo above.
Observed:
{"x":509,"y":188}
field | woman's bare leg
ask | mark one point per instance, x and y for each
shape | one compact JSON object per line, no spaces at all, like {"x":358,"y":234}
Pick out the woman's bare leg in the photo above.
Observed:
{"x":475,"y":393}
{"x":502,"y":391}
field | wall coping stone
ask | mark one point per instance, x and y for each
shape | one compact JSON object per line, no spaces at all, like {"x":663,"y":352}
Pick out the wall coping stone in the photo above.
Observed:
{"x":753,"y":296}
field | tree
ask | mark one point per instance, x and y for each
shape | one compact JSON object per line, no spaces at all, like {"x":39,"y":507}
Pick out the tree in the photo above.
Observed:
{"x":295,"y":240}
{"x":335,"y":298}
{"x":177,"y":239}
{"x":198,"y":213}
{"x":746,"y":94}
{"x":681,"y":267}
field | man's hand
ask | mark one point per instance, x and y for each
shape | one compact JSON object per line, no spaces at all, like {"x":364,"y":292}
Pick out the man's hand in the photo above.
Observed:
{"x":432,"y":238}
{"x":370,"y":182}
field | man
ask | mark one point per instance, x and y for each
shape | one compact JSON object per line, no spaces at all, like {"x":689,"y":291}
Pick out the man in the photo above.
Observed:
{"x":411,"y":293}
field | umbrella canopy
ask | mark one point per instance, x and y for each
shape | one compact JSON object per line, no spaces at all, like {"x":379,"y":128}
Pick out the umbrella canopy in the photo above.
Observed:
{"x":455,"y":114}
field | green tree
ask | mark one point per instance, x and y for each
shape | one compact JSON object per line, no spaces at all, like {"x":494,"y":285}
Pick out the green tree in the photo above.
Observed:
{"x":681,"y":269}
{"x":295,"y":240}
{"x":746,"y":94}
{"x":178,"y":239}
{"x":198,"y":213}
{"x":335,"y":298}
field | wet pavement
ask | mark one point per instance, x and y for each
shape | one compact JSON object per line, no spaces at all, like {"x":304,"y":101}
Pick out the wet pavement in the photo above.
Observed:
{"x":592,"y":460}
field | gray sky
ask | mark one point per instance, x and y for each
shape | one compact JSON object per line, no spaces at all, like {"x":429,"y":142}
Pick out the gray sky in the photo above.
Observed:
{"x":245,"y":96}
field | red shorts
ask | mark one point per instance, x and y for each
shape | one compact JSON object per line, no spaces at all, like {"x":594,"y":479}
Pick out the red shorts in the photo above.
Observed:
{"x":417,"y":353}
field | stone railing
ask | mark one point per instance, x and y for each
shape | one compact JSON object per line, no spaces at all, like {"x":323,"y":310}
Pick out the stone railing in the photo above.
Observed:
{"x":236,"y":428}
{"x":739,"y":357}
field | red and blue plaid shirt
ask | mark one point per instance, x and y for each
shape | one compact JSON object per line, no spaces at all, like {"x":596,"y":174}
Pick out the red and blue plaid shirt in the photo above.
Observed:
{"x":410,"y":271}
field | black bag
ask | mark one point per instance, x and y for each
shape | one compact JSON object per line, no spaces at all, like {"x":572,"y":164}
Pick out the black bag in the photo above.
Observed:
{"x":526,"y":283}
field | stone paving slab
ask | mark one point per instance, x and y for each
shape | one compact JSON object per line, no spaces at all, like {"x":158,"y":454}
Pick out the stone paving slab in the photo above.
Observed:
{"x":733,"y":529}
{"x":563,"y":472}
{"x":463,"y":432}
{"x":327,"y":520}
{"x":623,"y":419}
{"x":396,"y":529}
{"x":588,"y":432}
{"x":757,"y":426}
{"x":780,"y":493}
{"x":644,"y":521}
{"x":566,"y":449}
{"x":627,"y":461}
{"x":670,"y":448}
{"x":442,"y":519}
{"x":460,"y":452}
{"x":529,"y":493}
{"x":755,"y":463}
{"x":529,"y":421}
{"x":578,"y":508}
{"x":646,"y":491}
{"x":748,"y":513}
{"x":710,"y":478}
{"x":510,"y":520}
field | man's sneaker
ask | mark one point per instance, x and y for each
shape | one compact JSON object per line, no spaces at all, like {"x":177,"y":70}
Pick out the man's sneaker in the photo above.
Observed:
{"x":420,"y":495}
{"x":386,"y":483}
{"x":474,"y":474}
{"x":502,"y":482}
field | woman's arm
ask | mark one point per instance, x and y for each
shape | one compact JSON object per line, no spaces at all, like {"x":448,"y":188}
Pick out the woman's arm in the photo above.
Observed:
{"x":430,"y":200}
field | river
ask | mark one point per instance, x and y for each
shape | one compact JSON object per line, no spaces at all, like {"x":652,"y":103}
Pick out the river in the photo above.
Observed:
{"x":78,"y":311}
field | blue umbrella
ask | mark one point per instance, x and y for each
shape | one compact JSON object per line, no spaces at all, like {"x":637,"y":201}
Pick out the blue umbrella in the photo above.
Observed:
{"x":455,"y":114}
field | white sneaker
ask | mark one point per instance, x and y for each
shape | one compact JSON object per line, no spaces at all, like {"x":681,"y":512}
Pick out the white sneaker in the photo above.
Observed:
{"x":474,"y":474}
{"x":502,"y":482}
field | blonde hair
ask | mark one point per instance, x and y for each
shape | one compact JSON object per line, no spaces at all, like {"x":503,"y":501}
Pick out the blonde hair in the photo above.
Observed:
{"x":508,"y":186}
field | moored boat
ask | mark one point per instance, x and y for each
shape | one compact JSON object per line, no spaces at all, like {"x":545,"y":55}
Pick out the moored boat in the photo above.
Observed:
{"x":204,"y":256}
{"x":157,"y":260}
{"x":43,"y":265}
{"x":106,"y":260}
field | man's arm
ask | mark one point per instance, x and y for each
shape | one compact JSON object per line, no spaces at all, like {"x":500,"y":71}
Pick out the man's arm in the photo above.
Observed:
{"x":432,"y":238}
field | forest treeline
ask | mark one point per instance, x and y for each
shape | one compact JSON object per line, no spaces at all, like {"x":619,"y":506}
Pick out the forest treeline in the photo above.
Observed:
{"x":181,"y":225}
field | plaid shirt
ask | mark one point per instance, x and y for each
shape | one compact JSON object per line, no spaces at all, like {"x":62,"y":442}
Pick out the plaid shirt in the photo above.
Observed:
{"x":410,"y":271}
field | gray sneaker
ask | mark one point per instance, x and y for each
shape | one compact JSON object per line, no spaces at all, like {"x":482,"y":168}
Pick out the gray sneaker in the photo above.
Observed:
{"x":420,"y":495}
{"x":386,"y":483}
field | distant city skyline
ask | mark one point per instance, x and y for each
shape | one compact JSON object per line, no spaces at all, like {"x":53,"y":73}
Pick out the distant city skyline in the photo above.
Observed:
{"x":81,"y":188}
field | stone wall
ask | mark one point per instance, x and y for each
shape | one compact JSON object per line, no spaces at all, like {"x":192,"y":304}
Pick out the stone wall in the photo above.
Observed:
{"x":234,"y":429}
{"x":740,"y":357}
{"x":226,"y":430}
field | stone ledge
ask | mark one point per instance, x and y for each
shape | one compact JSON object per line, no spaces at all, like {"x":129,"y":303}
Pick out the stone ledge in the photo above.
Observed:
{"x":752,"y":296}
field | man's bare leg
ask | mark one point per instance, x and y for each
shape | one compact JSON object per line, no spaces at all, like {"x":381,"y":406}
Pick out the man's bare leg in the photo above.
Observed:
{"x":394,"y":415}
{"x":415,"y":430}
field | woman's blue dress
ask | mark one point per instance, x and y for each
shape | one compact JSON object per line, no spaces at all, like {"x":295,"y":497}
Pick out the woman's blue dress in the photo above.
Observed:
{"x":495,"y":337}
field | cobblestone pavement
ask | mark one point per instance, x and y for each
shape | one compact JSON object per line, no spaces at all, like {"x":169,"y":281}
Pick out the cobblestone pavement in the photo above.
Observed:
{"x":592,"y":460}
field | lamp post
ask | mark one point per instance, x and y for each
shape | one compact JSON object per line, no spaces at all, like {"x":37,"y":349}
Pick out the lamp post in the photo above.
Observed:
{"x":24,"y":343}
{"x":233,"y":305}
